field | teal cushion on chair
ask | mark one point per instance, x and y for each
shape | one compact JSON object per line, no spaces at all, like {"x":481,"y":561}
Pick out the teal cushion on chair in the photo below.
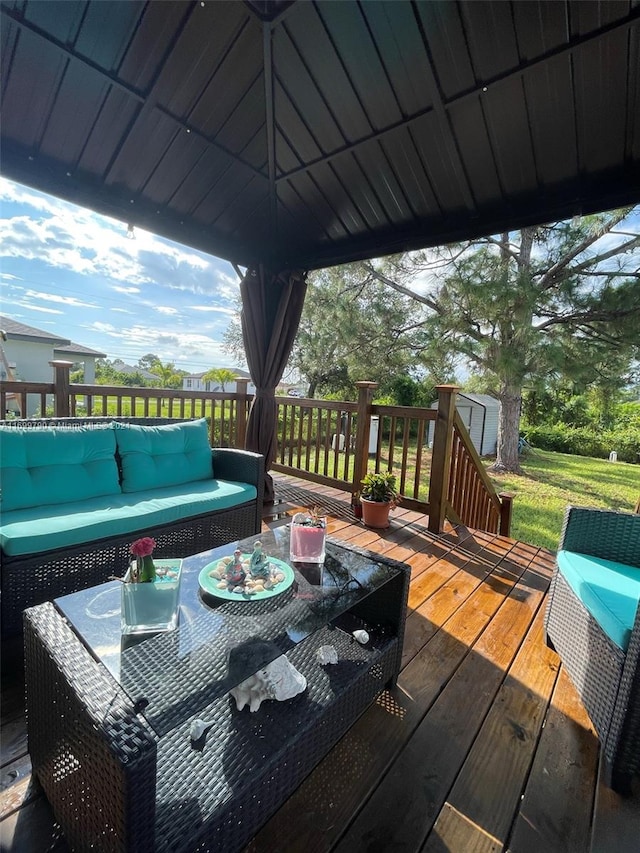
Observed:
{"x":158,"y":456}
{"x":43,"y":466}
{"x":610,"y":591}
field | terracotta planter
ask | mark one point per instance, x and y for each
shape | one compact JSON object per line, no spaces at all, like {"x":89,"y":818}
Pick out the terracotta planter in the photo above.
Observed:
{"x":375,"y":513}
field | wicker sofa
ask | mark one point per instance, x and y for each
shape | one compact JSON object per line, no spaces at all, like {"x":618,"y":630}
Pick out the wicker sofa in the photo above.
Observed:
{"x":593,"y":622}
{"x":77,"y":492}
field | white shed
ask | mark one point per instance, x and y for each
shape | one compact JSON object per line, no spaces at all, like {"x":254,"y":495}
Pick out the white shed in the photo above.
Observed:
{"x":479,"y":413}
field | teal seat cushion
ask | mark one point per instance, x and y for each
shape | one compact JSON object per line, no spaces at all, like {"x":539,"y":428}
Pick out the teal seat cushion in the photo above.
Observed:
{"x":610,"y":591}
{"x":32,"y":531}
{"x":153,"y":457}
{"x":43,"y":466}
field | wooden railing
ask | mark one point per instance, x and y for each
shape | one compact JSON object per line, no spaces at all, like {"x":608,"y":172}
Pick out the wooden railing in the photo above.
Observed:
{"x":334,"y":443}
{"x":471,"y":496}
{"x":226,"y":412}
{"x":316,"y":440}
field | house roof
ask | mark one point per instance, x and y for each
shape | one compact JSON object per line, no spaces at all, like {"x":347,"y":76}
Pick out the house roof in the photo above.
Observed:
{"x":79,"y":349}
{"x":302,"y":134}
{"x":241,"y":374}
{"x":485,"y":400}
{"x":21,"y":332}
{"x":131,"y":369}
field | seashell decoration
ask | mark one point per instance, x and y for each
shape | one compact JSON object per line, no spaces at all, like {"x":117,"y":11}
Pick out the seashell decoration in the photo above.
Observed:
{"x":278,"y":680}
{"x":198,"y":728}
{"x":327,"y":655}
{"x":361,"y":636}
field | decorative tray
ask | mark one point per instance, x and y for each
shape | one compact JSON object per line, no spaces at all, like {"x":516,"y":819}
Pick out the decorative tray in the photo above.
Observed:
{"x":222,"y":579}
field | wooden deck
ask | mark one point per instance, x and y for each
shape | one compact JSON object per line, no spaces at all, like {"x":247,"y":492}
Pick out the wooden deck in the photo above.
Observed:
{"x":483,"y":745}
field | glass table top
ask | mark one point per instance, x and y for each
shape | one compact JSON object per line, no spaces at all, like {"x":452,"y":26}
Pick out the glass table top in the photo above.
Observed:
{"x":170,"y":676}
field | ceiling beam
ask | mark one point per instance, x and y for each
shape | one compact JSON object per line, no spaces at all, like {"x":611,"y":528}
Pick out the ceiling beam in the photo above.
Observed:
{"x":267,"y":53}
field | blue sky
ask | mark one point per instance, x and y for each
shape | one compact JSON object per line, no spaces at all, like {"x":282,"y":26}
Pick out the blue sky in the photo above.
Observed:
{"x":70,"y":271}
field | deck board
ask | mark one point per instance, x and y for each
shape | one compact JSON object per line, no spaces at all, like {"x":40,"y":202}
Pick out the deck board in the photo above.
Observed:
{"x":483,"y":745}
{"x":558,"y":800}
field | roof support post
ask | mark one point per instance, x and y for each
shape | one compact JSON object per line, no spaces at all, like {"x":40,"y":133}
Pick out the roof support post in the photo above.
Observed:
{"x":241,"y":411}
{"x":441,"y":457}
{"x":363,"y":428}
{"x":61,"y":388}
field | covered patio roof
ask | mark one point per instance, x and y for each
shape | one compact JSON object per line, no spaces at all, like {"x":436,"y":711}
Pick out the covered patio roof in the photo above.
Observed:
{"x":304,"y":134}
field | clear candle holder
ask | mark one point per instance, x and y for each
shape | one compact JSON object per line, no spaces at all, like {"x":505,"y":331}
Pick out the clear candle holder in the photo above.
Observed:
{"x":308,"y":537}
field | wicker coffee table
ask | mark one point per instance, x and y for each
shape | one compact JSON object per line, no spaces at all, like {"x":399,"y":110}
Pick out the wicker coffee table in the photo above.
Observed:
{"x":109,"y":722}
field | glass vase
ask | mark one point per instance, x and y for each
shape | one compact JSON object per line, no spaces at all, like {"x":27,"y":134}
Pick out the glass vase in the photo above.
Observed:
{"x":149,"y":608}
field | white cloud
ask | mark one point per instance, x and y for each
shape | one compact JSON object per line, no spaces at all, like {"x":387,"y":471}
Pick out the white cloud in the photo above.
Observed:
{"x":214,"y":309}
{"x":70,"y":301}
{"x":31,"y":307}
{"x":74,"y":259}
{"x":76,"y":239}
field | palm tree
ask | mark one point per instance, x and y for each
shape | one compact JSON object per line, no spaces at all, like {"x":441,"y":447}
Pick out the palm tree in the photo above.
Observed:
{"x":219,"y":375}
{"x":169,"y":378}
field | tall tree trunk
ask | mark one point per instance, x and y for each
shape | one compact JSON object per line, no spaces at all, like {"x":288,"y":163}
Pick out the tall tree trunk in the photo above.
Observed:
{"x":507,"y":458}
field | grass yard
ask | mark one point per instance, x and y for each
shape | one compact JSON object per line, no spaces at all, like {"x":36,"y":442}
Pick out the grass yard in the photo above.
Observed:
{"x":553,"y":480}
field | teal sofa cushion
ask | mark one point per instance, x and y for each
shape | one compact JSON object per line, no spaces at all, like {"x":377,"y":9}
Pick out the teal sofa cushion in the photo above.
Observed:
{"x":43,"y":466}
{"x":32,"y":531}
{"x":157,"y":456}
{"x":610,"y":591}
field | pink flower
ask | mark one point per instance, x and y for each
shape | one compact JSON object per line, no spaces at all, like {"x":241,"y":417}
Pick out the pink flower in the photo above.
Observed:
{"x":142,"y":547}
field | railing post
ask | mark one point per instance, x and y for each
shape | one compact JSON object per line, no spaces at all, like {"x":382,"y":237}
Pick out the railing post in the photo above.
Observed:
{"x":441,"y":457}
{"x":506,"y":508}
{"x":241,"y":412}
{"x":363,"y":428}
{"x":61,"y":388}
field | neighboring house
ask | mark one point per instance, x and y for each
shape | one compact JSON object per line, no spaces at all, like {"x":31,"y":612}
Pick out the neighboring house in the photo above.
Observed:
{"x":479,"y":413}
{"x":29,"y":351}
{"x":77,"y":353}
{"x":195,"y":382}
{"x":131,"y":369}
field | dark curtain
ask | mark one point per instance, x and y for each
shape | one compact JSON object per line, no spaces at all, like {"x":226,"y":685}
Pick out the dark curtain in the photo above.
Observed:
{"x":271,"y":308}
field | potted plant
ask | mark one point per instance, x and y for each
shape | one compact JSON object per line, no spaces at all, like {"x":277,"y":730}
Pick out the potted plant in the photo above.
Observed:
{"x":379,"y":495}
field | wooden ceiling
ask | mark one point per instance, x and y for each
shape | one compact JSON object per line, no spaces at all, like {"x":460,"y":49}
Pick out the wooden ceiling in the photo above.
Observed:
{"x":304,"y":134}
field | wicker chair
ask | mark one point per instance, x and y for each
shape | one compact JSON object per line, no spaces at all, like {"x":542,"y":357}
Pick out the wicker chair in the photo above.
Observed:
{"x":606,"y":676}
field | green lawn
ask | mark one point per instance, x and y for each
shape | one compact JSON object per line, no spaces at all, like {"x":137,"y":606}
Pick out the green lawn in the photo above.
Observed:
{"x":551,"y":481}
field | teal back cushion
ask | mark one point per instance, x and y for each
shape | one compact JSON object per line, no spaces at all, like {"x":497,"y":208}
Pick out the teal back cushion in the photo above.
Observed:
{"x":43,"y":466}
{"x":156,"y":456}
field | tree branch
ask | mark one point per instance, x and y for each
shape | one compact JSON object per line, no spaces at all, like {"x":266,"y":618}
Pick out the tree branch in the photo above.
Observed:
{"x":425,"y":300}
{"x":552,"y":274}
{"x":579,"y":317}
